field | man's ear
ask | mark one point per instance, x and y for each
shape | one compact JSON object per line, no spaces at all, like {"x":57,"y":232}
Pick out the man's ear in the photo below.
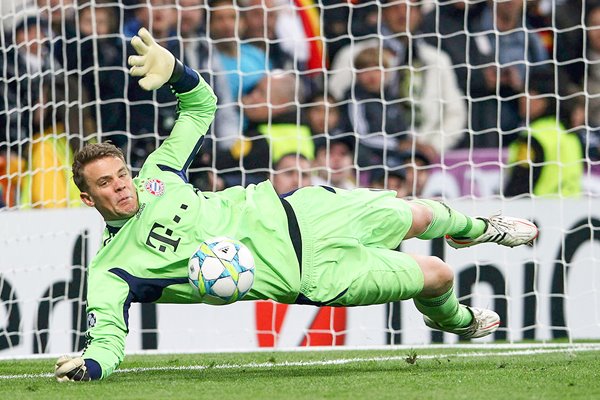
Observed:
{"x":87,"y":199}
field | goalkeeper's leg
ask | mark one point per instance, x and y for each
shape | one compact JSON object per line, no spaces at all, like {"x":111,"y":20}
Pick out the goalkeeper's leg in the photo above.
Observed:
{"x":433,"y":219}
{"x":440,"y":307}
{"x":364,"y":275}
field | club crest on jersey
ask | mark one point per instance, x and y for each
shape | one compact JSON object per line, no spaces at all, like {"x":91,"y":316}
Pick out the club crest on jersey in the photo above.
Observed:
{"x":91,"y":320}
{"x":155,"y":187}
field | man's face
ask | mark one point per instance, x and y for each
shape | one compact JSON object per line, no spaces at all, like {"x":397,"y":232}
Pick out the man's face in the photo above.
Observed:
{"x":54,"y":10}
{"x":323,"y":117}
{"x":532,"y":106}
{"x":31,"y":39}
{"x":402,"y":16}
{"x":292,"y":172}
{"x":594,"y":29}
{"x":256,"y":103}
{"x":371,"y":80}
{"x":259,"y":12}
{"x":508,"y":9}
{"x":416,"y":178}
{"x":101,"y":21}
{"x":191,"y":17}
{"x":270,"y":98}
{"x":223,"y":21}
{"x":338,"y":162}
{"x":159,"y":16}
{"x":110,"y":189}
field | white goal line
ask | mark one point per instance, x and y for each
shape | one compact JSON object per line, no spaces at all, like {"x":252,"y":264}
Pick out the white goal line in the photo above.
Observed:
{"x":525,"y":352}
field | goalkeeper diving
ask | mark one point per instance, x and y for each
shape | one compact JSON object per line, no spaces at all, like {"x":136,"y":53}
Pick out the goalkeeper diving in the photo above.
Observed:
{"x":317,"y":245}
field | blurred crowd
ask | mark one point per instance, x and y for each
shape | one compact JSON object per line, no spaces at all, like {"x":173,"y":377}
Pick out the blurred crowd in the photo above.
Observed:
{"x":327,"y":92}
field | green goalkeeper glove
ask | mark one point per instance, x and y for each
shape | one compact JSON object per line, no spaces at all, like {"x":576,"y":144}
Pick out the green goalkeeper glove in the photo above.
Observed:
{"x":71,"y":369}
{"x":154,"y":64}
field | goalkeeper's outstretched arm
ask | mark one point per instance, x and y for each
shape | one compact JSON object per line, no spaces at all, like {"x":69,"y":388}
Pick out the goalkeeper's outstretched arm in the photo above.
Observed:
{"x":156,"y":66}
{"x":196,"y":108}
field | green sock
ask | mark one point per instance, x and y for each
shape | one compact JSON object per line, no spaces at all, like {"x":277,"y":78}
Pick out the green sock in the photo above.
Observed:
{"x":447,"y":221}
{"x":445,"y":310}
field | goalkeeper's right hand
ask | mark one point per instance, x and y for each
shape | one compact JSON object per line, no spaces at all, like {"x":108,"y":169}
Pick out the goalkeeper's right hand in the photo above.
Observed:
{"x":154,"y":64}
{"x":71,"y":369}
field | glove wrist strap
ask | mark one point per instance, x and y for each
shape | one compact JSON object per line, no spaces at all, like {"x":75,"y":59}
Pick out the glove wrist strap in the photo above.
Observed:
{"x":183,"y":79}
{"x":178,"y":70}
{"x":94,"y":369}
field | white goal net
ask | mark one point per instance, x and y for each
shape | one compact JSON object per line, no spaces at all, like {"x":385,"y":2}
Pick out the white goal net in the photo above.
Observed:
{"x":489,"y":105}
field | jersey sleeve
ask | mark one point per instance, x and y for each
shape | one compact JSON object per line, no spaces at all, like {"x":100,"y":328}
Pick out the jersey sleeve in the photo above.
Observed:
{"x":196,"y":112}
{"x":107,"y":312}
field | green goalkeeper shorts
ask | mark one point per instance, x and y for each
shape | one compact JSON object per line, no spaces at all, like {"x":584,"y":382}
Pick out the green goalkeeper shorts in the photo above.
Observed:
{"x":348,"y":237}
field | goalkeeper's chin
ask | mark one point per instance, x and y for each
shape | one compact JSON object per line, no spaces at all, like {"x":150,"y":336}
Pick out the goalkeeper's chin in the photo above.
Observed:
{"x":127,"y":207}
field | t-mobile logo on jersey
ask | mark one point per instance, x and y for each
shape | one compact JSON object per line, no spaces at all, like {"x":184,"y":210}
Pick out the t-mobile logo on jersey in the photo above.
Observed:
{"x":165,"y":237}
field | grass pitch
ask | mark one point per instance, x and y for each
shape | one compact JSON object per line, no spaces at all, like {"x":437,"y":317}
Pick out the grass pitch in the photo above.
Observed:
{"x":548,"y":372}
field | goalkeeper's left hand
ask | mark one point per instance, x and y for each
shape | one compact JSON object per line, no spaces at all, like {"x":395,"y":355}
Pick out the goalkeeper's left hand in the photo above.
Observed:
{"x":154,"y":64}
{"x":71,"y":369}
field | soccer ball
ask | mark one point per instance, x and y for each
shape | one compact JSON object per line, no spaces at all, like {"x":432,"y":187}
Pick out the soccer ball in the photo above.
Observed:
{"x":222,"y":270}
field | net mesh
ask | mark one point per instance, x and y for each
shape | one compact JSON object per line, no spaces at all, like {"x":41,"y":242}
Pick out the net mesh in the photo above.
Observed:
{"x":486,"y":104}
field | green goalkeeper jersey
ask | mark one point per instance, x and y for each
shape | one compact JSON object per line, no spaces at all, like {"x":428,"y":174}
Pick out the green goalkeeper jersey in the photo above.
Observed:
{"x":145,"y":260}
